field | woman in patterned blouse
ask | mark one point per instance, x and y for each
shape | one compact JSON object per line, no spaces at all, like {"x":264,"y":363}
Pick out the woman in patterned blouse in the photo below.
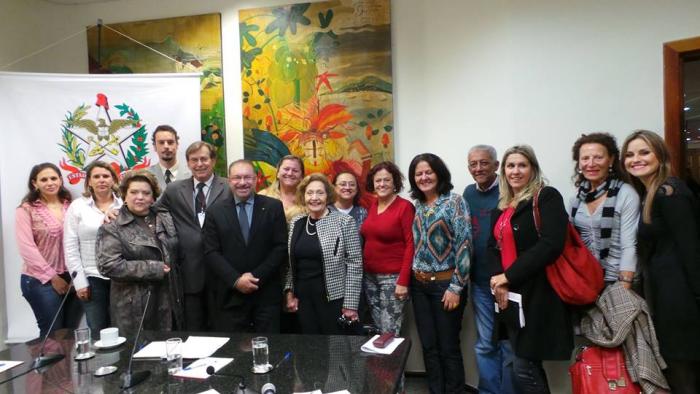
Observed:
{"x":442,"y":238}
{"x":39,"y":230}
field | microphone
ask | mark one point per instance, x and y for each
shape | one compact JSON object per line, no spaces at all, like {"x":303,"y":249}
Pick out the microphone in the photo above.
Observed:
{"x":242,"y":389}
{"x":46,"y":360}
{"x":268,"y":388}
{"x":130,"y":379}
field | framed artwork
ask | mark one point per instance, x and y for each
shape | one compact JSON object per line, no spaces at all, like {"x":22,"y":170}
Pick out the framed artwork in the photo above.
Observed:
{"x":195,"y":41}
{"x":317,"y":83}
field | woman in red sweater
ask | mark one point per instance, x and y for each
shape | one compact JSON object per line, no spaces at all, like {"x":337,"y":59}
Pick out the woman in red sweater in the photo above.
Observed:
{"x":388,"y":247}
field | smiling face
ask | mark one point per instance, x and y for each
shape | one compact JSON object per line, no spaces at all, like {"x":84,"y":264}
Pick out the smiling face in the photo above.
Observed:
{"x":426,"y":179}
{"x":594,"y":162}
{"x":241,"y":179}
{"x":289,"y":174}
{"x":518,"y":172}
{"x":383,"y":184}
{"x":139,"y":197}
{"x":48,"y":183}
{"x":482,"y":168}
{"x":201,"y":164}
{"x":315,"y":198}
{"x":346,"y":188}
{"x":101,"y":181}
{"x":640,"y":160}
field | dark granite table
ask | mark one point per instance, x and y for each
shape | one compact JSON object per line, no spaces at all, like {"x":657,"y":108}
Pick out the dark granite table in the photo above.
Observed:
{"x":328,"y":363}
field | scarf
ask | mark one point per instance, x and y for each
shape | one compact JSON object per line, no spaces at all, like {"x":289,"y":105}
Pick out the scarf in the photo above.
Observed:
{"x":586,"y":195}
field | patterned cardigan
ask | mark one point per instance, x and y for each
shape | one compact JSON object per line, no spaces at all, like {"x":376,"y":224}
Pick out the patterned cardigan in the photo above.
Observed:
{"x":342,"y":257}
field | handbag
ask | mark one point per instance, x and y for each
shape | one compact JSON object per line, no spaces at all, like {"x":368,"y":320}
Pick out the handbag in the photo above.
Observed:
{"x":601,"y":370}
{"x":576,"y":276}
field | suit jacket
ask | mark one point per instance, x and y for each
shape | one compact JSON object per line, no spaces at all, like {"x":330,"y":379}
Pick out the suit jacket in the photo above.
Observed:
{"x":179,"y":201}
{"x":182,"y":173}
{"x":548,"y":333}
{"x":342,"y":256}
{"x":228,"y":256}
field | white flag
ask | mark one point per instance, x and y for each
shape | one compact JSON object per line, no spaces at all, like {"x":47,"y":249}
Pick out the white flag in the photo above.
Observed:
{"x":71,"y":120}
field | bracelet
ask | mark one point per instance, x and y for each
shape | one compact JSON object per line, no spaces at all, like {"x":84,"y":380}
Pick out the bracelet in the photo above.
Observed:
{"x":621,"y":279}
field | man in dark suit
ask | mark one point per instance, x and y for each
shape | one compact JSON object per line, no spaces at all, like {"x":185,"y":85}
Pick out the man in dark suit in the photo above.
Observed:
{"x":188,"y":201}
{"x":245,"y":246}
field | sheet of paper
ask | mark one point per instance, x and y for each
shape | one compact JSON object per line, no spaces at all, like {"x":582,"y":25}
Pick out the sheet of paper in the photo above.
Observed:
{"x":198,"y":369}
{"x":199,"y":347}
{"x":194,"y":347}
{"x":369,"y":347}
{"x":518,"y":299}
{"x":210,"y":391}
{"x":309,"y":392}
{"x":7,"y":364}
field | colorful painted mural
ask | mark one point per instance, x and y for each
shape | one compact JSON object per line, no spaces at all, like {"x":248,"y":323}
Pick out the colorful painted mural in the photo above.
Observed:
{"x":193,"y":40}
{"x":317,"y":83}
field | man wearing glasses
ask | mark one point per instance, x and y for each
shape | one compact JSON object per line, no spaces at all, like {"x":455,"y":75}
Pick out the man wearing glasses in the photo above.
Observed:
{"x":187,"y":201}
{"x":245,"y":246}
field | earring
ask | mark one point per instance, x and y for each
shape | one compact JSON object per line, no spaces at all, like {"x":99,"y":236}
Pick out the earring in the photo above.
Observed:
{"x":579,"y":171}
{"x":610,"y":169}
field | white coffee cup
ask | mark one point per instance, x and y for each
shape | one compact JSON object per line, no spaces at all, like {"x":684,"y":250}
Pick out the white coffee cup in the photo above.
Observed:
{"x":109,"y":336}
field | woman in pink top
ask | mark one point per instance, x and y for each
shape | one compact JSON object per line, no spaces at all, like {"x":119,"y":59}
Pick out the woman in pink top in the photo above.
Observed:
{"x":39,"y":231}
{"x":388,"y":247}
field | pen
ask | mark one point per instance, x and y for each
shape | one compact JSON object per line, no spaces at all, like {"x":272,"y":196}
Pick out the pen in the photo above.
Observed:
{"x":193,"y":366}
{"x":286,"y":357}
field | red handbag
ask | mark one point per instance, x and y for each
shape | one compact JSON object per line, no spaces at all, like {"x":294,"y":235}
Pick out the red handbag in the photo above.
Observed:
{"x":576,"y":276}
{"x":601,"y":370}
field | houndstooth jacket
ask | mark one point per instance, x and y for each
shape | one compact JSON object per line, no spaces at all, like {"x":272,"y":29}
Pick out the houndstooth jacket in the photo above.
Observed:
{"x":342,"y":256}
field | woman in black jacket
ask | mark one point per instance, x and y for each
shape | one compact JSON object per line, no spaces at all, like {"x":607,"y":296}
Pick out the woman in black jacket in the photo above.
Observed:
{"x":518,"y":253}
{"x":669,"y":241}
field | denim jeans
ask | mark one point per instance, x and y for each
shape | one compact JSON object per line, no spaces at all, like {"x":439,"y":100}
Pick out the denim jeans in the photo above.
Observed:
{"x":97,"y":308}
{"x":439,"y":332}
{"x":45,"y":303}
{"x":386,"y":309}
{"x":494,"y":359}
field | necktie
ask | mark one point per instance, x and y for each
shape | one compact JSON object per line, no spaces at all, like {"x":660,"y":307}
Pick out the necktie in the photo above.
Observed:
{"x":168,"y":176}
{"x":243,"y":220}
{"x":200,"y":201}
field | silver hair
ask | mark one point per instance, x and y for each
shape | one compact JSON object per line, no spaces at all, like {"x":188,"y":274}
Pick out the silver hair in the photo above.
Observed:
{"x":485,"y":148}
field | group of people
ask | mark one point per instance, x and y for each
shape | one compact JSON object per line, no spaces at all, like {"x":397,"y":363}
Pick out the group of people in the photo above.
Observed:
{"x":214,"y":254}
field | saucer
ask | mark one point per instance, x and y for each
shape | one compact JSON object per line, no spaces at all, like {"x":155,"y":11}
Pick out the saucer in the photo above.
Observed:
{"x":84,"y":356}
{"x":99,"y":345}
{"x":263,"y":369}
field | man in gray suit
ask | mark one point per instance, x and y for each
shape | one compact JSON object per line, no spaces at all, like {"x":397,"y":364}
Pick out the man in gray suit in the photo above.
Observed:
{"x":187,"y":201}
{"x":165,"y":143}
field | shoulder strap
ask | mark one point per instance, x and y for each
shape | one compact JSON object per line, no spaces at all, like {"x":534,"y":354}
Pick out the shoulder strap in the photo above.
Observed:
{"x":536,"y":210}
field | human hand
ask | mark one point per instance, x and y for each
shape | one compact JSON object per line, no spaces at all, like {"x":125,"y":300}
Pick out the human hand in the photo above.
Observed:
{"x":292,"y":302}
{"x":83,"y":294}
{"x":247,"y":283}
{"x":498,"y":280}
{"x":350,"y":314}
{"x":110,"y":215}
{"x":59,"y":285}
{"x":501,"y":295}
{"x":450,"y":300}
{"x":401,"y":292}
{"x":166,"y":268}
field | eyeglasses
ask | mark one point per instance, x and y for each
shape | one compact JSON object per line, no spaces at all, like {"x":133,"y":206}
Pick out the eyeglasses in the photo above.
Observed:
{"x":238,"y":178}
{"x":475,"y":164}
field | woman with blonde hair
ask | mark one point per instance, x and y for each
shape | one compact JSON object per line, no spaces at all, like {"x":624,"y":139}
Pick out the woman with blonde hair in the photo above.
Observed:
{"x":83,"y":218}
{"x":518,"y":253}
{"x":290,"y":171}
{"x":669,"y":240}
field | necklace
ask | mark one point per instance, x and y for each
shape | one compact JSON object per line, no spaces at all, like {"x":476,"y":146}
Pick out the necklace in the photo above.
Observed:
{"x":308,"y":223}
{"x":503,"y":223}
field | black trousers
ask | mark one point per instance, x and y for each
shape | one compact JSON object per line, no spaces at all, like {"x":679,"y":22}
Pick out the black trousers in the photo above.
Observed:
{"x":257,"y":317}
{"x":317,"y":315}
{"x":196,"y":315}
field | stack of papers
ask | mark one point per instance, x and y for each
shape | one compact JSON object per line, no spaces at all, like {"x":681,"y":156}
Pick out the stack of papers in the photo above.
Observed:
{"x":370,"y":348}
{"x":5,"y":365}
{"x":198,"y":369}
{"x":193,"y":347}
{"x":514,"y":300}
